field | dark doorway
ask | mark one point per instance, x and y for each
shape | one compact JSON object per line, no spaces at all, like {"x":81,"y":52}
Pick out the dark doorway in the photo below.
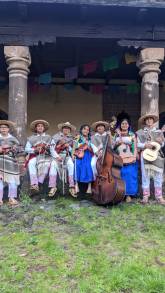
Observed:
{"x":3,"y":115}
{"x":161,"y":119}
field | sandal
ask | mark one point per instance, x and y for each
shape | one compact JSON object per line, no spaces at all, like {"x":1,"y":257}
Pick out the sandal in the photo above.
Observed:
{"x":161,"y":201}
{"x":52,"y":191}
{"x":13,"y":202}
{"x":72,"y":192}
{"x":89,"y":190}
{"x":144,"y":200}
{"x":34,"y":189}
{"x":128,"y":199}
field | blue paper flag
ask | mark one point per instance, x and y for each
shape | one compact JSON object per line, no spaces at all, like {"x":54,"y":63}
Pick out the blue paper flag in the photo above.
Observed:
{"x":45,"y":78}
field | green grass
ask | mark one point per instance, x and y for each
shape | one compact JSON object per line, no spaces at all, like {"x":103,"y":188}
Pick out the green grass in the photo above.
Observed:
{"x":59,"y":249}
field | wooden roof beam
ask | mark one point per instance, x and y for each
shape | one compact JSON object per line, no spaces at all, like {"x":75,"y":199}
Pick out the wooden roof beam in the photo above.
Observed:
{"x":117,"y":3}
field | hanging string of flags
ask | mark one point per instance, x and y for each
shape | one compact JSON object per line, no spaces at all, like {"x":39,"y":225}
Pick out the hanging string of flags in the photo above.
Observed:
{"x":109,"y":63}
{"x":45,"y":80}
{"x":71,"y":74}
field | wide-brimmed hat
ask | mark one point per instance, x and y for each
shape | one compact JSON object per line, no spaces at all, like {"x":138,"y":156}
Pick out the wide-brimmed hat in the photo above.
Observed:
{"x":142,"y":119}
{"x":39,"y":121}
{"x":9,"y":123}
{"x":66,"y":124}
{"x":97,"y":123}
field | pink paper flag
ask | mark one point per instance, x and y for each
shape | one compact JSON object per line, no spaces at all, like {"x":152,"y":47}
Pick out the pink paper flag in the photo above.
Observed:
{"x":89,"y":67}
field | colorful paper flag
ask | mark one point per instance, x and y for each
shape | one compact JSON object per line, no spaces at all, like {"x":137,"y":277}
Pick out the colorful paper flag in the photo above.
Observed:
{"x":133,"y":88}
{"x":130,"y":58}
{"x":45,"y":78}
{"x":110,"y":63}
{"x":89,"y":67}
{"x":71,"y":73}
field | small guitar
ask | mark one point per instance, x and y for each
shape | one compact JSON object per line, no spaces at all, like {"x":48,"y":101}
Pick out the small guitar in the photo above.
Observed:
{"x":151,"y":155}
{"x":125,"y":153}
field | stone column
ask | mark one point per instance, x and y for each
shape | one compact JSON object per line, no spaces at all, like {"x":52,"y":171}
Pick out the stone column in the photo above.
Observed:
{"x":149,"y":63}
{"x":18,"y":60}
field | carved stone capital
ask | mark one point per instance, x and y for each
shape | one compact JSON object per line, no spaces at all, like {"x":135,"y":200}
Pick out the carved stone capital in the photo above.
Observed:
{"x":18,"y":60}
{"x":149,"y":62}
{"x":152,"y":54}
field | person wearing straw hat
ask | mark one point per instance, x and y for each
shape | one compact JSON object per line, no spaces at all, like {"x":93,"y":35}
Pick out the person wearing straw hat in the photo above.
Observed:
{"x":61,"y":149}
{"x":151,"y":169}
{"x":39,"y":161}
{"x":9,"y":167}
{"x":98,"y":139}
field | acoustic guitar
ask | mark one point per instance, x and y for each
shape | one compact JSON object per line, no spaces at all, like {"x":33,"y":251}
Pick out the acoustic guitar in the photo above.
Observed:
{"x":126,"y":154}
{"x":151,"y":155}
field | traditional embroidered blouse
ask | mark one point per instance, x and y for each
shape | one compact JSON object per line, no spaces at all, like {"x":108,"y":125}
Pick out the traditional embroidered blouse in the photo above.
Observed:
{"x":128,"y":143}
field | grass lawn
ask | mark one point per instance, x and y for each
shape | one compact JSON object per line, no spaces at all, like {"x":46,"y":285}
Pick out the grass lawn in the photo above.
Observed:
{"x":66,"y":246}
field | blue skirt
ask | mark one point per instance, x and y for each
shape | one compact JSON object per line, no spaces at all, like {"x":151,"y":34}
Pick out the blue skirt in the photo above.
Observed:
{"x":83,"y":170}
{"x":129,"y":173}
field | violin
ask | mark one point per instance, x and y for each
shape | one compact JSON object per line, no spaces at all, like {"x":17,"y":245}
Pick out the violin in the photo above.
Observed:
{"x":41,"y":148}
{"x":6,"y":149}
{"x":79,"y":152}
{"x":108,"y":187}
{"x":63,"y":145}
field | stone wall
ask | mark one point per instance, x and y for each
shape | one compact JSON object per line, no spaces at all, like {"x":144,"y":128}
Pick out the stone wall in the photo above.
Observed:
{"x":60,"y":105}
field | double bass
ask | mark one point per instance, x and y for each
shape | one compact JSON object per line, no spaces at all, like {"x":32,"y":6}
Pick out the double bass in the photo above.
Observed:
{"x":108,"y":187}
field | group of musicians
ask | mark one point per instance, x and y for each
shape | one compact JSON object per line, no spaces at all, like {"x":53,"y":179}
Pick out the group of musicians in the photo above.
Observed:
{"x":77,"y":155}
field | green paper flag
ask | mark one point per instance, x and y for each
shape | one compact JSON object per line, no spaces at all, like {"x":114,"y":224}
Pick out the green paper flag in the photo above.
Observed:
{"x":133,"y":88}
{"x":110,"y":63}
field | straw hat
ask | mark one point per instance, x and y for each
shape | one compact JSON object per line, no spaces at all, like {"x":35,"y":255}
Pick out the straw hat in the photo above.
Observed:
{"x":97,"y":123}
{"x":142,"y":119}
{"x":66,"y":124}
{"x":10,"y":124}
{"x":39,"y":121}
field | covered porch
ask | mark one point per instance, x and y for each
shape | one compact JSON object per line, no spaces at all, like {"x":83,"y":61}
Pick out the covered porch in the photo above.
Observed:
{"x":52,"y":37}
